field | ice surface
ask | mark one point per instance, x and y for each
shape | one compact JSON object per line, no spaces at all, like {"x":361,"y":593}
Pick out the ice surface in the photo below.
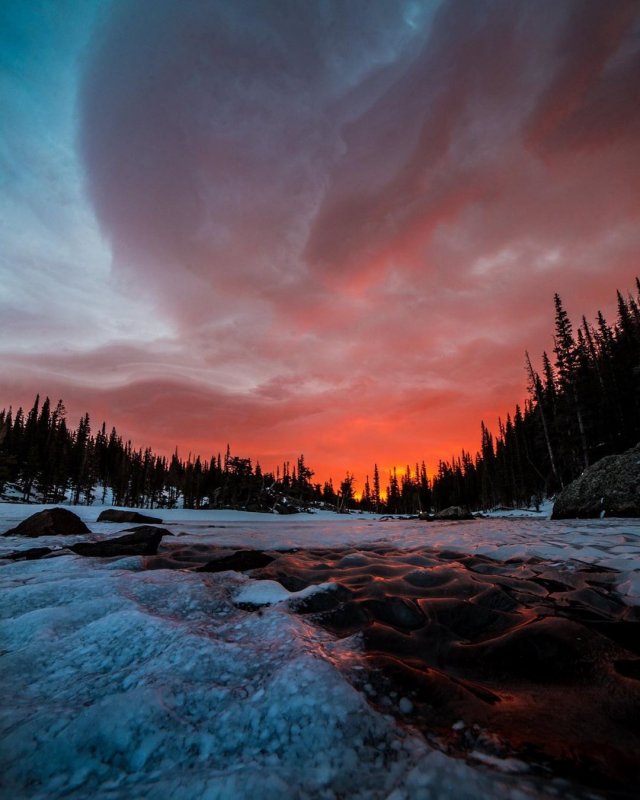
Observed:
{"x":262,"y":593}
{"x":125,"y":683}
{"x":120,"y":682}
{"x":610,"y":543}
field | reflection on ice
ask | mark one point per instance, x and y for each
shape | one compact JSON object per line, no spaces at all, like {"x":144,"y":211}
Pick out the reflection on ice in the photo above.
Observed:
{"x":121,"y":681}
{"x":153,"y":684}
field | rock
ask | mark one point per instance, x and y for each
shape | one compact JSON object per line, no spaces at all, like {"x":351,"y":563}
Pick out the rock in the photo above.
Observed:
{"x":321,"y":602}
{"x":142,"y":541}
{"x":284,"y":508}
{"x":147,"y":529}
{"x":32,"y":554}
{"x":116,"y":515}
{"x":50,"y":522}
{"x":610,"y":487}
{"x":453,"y":512}
{"x":240,"y":561}
{"x":257,"y":508}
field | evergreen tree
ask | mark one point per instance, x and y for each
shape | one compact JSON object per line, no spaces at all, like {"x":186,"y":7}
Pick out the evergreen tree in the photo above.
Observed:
{"x":346,"y":495}
{"x":365,"y":501}
{"x":566,"y":365}
{"x":5,"y":427}
{"x":393,"y":493}
{"x":81,"y":476}
{"x":375,"y":495}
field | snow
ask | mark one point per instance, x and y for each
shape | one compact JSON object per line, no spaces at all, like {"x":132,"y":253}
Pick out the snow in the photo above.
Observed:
{"x":405,"y":705}
{"x":610,"y":543}
{"x":544,"y":512}
{"x":504,"y":764}
{"x":123,"y":682}
{"x":101,"y":495}
{"x":261,"y":593}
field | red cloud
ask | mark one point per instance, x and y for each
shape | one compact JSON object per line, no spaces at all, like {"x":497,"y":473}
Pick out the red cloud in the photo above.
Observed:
{"x":354,"y":228}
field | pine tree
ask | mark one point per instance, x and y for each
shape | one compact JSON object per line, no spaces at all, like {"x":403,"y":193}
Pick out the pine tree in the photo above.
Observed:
{"x":29,"y":450}
{"x":5,"y":427}
{"x":375,"y":497}
{"x":346,"y":495}
{"x":567,"y":364}
{"x":365,"y":501}
{"x":302,"y":484}
{"x":79,"y":459}
{"x":393,"y":493}
{"x":424,"y":489}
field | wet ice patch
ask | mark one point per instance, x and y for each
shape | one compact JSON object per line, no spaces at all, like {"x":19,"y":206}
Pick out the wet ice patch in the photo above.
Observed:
{"x":125,"y":683}
{"x":629,"y":587}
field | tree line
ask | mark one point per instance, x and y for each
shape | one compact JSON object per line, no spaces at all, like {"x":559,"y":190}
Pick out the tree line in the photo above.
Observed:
{"x":582,"y":405}
{"x":44,"y":459}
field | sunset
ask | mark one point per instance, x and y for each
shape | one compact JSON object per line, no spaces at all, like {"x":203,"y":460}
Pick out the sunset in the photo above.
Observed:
{"x":336,"y":305}
{"x":329,"y":229}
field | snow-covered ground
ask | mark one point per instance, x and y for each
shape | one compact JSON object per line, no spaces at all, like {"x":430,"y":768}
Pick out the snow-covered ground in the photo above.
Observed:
{"x":120,"y":682}
{"x":12,"y":493}
{"x":544,"y":511}
{"x":611,"y":543}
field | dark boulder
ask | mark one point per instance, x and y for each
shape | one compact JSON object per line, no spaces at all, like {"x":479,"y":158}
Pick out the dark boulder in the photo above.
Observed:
{"x":142,"y":541}
{"x":50,"y":522}
{"x":453,"y":512}
{"x":116,"y":515}
{"x":32,"y":554}
{"x":282,"y":507}
{"x":610,"y":487}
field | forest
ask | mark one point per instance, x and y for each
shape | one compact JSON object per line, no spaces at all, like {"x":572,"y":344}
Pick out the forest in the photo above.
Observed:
{"x":583,"y":403}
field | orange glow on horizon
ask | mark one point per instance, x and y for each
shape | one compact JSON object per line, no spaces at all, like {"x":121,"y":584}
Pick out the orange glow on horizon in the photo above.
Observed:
{"x":348,"y":447}
{"x":332,"y":263}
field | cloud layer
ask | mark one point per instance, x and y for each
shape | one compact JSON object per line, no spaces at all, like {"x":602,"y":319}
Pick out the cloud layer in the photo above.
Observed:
{"x":333,"y":227}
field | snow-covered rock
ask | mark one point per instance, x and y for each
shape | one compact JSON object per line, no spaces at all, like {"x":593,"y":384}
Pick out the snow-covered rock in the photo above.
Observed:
{"x":453,"y":512}
{"x":610,"y":487}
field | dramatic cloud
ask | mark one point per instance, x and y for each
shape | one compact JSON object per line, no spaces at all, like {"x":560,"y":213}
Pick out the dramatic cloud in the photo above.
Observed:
{"x":331,"y":227}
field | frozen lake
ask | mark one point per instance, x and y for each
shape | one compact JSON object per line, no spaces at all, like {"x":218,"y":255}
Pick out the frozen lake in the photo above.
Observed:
{"x":125,"y":678}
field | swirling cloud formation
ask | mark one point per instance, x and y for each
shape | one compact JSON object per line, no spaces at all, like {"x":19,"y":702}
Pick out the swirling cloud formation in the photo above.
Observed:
{"x":335,"y":226}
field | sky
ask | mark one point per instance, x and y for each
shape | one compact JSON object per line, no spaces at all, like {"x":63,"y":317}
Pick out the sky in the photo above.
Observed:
{"x":328,"y":227}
